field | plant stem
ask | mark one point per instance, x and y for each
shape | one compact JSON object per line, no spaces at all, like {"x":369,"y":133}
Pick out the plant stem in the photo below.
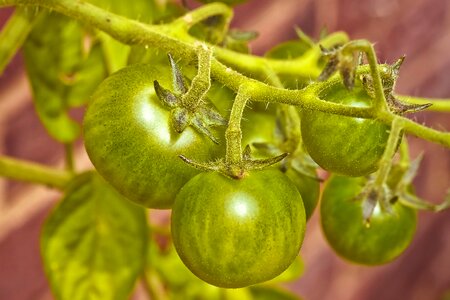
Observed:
{"x":404,"y":153}
{"x":15,"y":32}
{"x":33,"y":172}
{"x":365,"y":46}
{"x":181,"y":45}
{"x":233,"y":133}
{"x":203,"y":13}
{"x":426,"y":133}
{"x":201,"y":82}
{"x":303,"y":66}
{"x":386,"y":160}
{"x":440,"y":105}
{"x":391,"y":148}
{"x":69,"y":157}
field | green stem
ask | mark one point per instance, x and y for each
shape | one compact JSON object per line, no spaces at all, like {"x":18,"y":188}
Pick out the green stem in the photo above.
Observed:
{"x":386,"y":161}
{"x":201,"y":82}
{"x":365,"y":46}
{"x":233,"y":133}
{"x":441,"y":105}
{"x":404,"y":153}
{"x":204,"y":12}
{"x":69,"y":157}
{"x":15,"y":32}
{"x":133,"y":32}
{"x":426,"y":133}
{"x":33,"y":172}
{"x":391,"y":148}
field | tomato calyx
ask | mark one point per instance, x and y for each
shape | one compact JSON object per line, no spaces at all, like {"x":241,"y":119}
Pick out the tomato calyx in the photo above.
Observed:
{"x":183,"y":113}
{"x":397,"y":187}
{"x":236,"y":170}
{"x":389,"y":79}
{"x":346,"y":62}
{"x":343,"y":61}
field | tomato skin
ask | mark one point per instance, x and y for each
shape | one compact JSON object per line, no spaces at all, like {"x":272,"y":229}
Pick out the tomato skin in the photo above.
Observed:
{"x":234,"y":233}
{"x":344,"y":145}
{"x":308,"y":187}
{"x":130,"y":141}
{"x":342,"y":223}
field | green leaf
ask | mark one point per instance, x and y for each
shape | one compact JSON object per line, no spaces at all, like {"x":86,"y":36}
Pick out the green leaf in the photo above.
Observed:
{"x":14,"y":33}
{"x":59,"y":72}
{"x":91,"y":72}
{"x":94,"y":243}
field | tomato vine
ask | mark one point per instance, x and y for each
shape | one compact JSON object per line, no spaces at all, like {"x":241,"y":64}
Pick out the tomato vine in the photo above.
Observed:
{"x":152,"y":175}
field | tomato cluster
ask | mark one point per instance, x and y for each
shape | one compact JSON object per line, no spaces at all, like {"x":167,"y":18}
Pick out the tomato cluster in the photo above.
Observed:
{"x":238,"y":232}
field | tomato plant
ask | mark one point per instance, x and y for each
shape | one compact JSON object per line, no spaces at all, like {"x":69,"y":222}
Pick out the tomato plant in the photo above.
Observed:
{"x":231,"y":141}
{"x":378,"y":242}
{"x":233,"y":233}
{"x":345,"y":145}
{"x":131,"y":142}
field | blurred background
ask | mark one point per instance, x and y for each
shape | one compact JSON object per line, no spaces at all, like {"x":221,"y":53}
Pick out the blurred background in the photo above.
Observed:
{"x":418,"y":28}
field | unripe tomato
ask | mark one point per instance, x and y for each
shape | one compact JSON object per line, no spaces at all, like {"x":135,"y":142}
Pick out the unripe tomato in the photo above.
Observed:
{"x":238,"y":232}
{"x":340,"y":144}
{"x":386,"y":236}
{"x":130,"y":141}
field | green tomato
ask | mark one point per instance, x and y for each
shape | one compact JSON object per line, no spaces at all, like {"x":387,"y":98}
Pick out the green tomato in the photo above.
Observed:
{"x":308,"y":187}
{"x":130,"y":141}
{"x":237,"y":232}
{"x":342,"y":222}
{"x":260,"y":127}
{"x":344,"y":145}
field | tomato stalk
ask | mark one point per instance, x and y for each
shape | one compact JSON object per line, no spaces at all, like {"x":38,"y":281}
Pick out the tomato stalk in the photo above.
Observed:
{"x":69,"y":157}
{"x":233,"y":133}
{"x":181,"y":45}
{"x":201,"y":82}
{"x":33,"y":172}
{"x":203,"y":13}
{"x":367,"y":47}
{"x":391,"y":148}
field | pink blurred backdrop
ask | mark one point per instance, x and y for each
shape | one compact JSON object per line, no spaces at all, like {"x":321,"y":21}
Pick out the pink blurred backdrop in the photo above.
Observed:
{"x":418,"y":28}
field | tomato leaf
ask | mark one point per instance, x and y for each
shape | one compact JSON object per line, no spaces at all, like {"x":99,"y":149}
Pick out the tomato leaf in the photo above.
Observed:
{"x":60,"y":74}
{"x":14,"y":33}
{"x":94,"y":243}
